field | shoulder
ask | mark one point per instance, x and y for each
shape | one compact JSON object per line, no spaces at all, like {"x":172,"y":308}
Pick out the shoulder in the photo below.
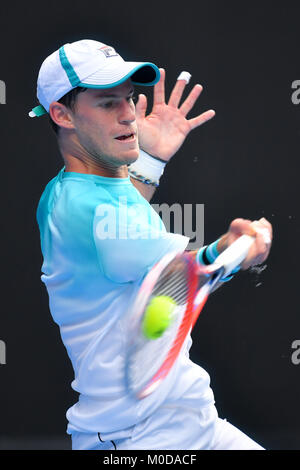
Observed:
{"x":80,"y":197}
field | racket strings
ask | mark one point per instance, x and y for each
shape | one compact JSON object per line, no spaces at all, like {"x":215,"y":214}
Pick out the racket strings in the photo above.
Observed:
{"x":151,"y":360}
{"x":184,"y":325}
{"x":149,"y":354}
{"x":173,"y":283}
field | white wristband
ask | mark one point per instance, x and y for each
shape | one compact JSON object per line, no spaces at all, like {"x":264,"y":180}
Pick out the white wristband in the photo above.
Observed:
{"x":148,"y":167}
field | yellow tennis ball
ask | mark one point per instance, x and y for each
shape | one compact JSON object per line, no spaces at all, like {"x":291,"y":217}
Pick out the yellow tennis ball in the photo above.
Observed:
{"x":158,"y":316}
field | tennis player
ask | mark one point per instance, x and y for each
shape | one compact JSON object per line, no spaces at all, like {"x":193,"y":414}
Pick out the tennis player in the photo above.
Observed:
{"x":100,"y":236}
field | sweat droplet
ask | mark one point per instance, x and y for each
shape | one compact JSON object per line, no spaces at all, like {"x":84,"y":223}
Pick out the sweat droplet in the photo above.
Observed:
{"x":257,"y":270}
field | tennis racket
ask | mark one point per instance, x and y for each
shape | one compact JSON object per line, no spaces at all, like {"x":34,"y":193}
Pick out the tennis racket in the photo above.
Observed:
{"x":149,"y":361}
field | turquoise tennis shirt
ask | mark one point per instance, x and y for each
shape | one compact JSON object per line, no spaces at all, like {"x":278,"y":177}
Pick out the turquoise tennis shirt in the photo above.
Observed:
{"x":99,"y":238}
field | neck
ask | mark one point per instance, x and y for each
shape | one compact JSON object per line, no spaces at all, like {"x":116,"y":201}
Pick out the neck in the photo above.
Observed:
{"x":78,"y":161}
{"x":73,"y":164}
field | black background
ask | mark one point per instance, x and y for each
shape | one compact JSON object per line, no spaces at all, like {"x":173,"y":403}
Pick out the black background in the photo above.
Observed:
{"x":243,"y":163}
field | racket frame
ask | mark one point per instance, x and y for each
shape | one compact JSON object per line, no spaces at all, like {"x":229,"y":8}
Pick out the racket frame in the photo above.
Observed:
{"x":197,"y":298}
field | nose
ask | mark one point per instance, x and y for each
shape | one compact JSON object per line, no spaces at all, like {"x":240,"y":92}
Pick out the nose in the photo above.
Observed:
{"x":127,"y":112}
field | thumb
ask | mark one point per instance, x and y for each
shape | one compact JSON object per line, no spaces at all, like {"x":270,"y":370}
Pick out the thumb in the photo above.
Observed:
{"x":141,"y":107}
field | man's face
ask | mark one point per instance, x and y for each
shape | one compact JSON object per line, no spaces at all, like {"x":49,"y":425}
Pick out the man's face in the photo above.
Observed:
{"x":105,"y":126}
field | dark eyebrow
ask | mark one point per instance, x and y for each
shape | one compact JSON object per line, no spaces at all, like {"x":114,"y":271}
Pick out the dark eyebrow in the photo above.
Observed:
{"x":113,"y":95}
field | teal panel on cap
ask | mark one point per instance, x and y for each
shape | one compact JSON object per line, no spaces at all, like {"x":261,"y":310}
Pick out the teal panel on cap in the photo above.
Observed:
{"x":72,"y":75}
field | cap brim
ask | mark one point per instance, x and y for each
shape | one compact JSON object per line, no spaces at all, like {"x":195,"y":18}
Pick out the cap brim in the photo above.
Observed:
{"x":141,"y":73}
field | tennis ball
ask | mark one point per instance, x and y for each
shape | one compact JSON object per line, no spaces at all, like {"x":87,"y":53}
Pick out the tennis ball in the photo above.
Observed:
{"x":158,"y":316}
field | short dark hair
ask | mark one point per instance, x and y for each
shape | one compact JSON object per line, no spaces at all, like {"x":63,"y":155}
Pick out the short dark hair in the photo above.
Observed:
{"x":69,"y":101}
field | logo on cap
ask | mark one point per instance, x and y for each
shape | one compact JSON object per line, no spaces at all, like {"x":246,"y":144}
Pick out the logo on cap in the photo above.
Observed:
{"x":108,"y":51}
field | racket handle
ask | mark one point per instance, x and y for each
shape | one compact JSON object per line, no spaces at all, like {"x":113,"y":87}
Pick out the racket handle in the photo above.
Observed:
{"x":235,"y":254}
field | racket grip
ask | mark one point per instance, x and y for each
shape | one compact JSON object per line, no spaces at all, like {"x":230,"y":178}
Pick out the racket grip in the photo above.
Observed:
{"x":235,"y":254}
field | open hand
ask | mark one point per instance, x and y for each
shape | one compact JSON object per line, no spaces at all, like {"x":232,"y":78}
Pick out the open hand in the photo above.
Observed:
{"x":164,"y":130}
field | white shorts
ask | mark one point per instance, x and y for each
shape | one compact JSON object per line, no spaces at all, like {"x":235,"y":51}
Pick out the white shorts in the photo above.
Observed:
{"x":171,"y":428}
{"x":228,"y":437}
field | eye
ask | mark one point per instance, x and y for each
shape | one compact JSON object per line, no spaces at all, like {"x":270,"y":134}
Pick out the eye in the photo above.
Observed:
{"x":107,"y":105}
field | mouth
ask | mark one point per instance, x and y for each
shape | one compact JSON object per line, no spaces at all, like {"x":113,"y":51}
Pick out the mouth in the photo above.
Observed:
{"x":126,"y":137}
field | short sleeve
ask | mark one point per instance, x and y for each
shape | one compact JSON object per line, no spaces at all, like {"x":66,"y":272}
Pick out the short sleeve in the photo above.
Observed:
{"x":130,"y":239}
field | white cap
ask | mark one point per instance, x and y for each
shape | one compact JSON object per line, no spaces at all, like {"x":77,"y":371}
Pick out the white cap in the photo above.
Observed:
{"x":89,"y":64}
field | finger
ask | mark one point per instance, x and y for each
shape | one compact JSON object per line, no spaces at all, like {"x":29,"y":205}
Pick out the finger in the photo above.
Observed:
{"x":261,"y":248}
{"x":262,"y":226}
{"x":159,"y":89}
{"x":176,"y":94}
{"x":242,"y":226}
{"x":264,"y":229}
{"x":141,"y":107}
{"x":184,"y":76}
{"x":199,"y":120}
{"x":191,"y":99}
{"x":264,"y":232}
{"x":267,"y":224}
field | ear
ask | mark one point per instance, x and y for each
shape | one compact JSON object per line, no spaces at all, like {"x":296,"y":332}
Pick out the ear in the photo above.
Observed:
{"x":61,"y":115}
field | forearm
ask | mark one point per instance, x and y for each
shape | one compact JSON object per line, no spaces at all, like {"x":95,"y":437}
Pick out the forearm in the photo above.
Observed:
{"x":223,"y":243}
{"x":207,"y":255}
{"x":221,"y":246}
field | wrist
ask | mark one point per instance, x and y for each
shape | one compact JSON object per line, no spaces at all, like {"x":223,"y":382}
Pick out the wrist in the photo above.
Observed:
{"x":147,"y":169}
{"x":222,"y":243}
{"x":209,"y":253}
